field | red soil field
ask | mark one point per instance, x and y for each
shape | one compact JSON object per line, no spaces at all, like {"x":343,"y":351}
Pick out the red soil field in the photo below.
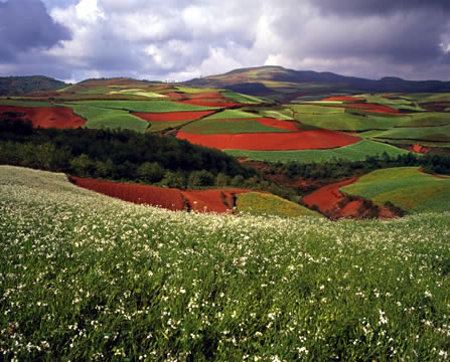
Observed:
{"x":287,"y":125}
{"x":212,"y":200}
{"x":210,"y":103}
{"x":331,"y":202}
{"x":172,"y":116}
{"x":219,"y":200}
{"x":419,"y":149}
{"x":268,"y":141}
{"x":346,"y":98}
{"x":270,"y":122}
{"x":175,"y":95}
{"x":171,"y":199}
{"x":205,"y":95}
{"x":373,"y":107}
{"x":48,"y":117}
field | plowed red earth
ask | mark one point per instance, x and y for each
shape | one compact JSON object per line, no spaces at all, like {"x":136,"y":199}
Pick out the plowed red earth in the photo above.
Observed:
{"x":212,"y":200}
{"x":48,"y":117}
{"x":175,"y":95}
{"x":210,"y":103}
{"x":171,"y":199}
{"x":219,"y":200}
{"x":268,"y":141}
{"x":172,"y":116}
{"x":331,"y":202}
{"x":340,"y":99}
{"x":368,"y":107}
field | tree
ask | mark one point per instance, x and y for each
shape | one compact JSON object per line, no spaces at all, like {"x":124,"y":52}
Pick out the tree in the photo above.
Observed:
{"x":150,"y":172}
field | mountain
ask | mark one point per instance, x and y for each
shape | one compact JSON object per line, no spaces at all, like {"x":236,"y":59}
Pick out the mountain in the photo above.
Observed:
{"x":28,"y":84}
{"x":279,"y":82}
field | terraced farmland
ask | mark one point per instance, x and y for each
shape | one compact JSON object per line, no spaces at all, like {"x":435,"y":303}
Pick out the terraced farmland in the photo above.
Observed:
{"x":406,"y":187}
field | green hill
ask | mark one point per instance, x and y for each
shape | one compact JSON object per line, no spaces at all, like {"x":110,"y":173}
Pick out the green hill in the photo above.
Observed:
{"x":23,"y":85}
{"x":405,"y":187}
{"x":88,"y":277}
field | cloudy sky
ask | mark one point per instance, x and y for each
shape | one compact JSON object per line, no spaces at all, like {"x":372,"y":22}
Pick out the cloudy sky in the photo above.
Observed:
{"x":179,"y":39}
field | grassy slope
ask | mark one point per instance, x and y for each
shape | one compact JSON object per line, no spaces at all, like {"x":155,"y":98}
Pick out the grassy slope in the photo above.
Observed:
{"x":209,"y":126}
{"x":356,"y":152}
{"x":99,"y":118}
{"x":24,"y":103}
{"x":88,"y":277}
{"x":256,"y":203}
{"x":436,"y":134}
{"x":232,"y":114}
{"x":406,"y":187}
{"x":149,"y":106}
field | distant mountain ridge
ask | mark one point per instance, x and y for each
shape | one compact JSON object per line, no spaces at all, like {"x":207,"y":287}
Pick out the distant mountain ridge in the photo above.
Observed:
{"x":257,"y":81}
{"x":28,"y":84}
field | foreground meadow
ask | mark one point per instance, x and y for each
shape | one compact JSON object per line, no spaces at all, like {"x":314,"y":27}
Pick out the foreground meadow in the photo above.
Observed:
{"x":87,"y":277}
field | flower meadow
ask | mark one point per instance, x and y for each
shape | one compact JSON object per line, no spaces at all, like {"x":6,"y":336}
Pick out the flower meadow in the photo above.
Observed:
{"x":87,"y":277}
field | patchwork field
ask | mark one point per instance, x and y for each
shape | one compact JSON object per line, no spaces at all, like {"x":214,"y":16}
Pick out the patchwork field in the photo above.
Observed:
{"x":406,"y":187}
{"x":269,"y":141}
{"x":114,"y":280}
{"x":355,"y":152}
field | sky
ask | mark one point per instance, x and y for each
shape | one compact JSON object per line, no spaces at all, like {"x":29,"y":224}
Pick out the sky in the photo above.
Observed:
{"x":177,"y":40}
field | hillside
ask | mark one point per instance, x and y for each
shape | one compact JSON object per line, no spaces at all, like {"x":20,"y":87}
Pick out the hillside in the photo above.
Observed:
{"x":28,"y":84}
{"x":275,"y":81}
{"x":113,"y":280}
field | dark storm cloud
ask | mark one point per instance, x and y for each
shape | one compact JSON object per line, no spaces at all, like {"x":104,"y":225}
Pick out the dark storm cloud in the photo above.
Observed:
{"x":379,"y":7}
{"x":24,"y":25}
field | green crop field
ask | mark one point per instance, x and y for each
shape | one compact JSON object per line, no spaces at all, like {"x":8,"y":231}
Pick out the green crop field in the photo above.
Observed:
{"x":161,"y":126}
{"x":242,"y":98}
{"x":256,"y":203}
{"x":141,"y":106}
{"x":349,"y":122}
{"x":23,"y":103}
{"x":315,"y":109}
{"x":232,"y":114}
{"x":100,"y":118}
{"x":436,"y":134}
{"x":87,"y":277}
{"x":209,"y":126}
{"x":428,"y":119}
{"x":282,"y":114}
{"x":406,"y":187}
{"x":356,"y":152}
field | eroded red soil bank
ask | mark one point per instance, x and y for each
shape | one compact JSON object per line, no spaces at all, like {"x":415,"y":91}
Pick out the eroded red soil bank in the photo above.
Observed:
{"x":47,"y":117}
{"x":334,"y":204}
{"x":218,"y":200}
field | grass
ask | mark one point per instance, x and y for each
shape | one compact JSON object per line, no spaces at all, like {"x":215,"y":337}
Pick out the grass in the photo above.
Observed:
{"x":138,"y":92}
{"x":87,"y":277}
{"x":232,"y":114}
{"x":397,"y":101}
{"x":208,"y":126}
{"x":349,"y":122}
{"x":242,"y":98}
{"x":355,"y":152}
{"x":196,"y":90}
{"x":282,"y":114}
{"x":315,"y":109}
{"x":24,"y":103}
{"x":145,"y":106}
{"x":257,"y":203}
{"x":428,"y":119}
{"x":161,"y":126}
{"x":437,"y":134}
{"x":406,"y":187}
{"x":101,"y":118}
